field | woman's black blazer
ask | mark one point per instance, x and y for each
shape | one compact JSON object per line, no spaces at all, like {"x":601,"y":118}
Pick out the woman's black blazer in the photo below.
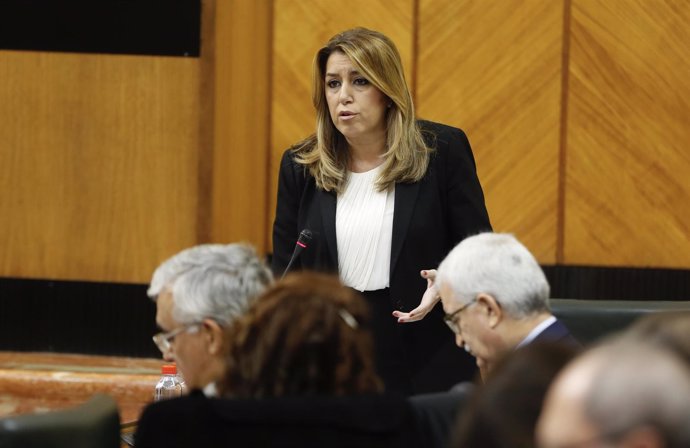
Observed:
{"x":430,"y":217}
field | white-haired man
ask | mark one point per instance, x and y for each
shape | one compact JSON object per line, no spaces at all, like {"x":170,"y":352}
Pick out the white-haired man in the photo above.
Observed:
{"x":623,"y":394}
{"x":496,"y":298}
{"x":199,"y":292}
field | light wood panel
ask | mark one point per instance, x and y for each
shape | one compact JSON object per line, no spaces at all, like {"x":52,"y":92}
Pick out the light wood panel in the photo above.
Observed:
{"x":300,"y":29}
{"x":494,"y":70}
{"x":628,"y":163}
{"x":241,"y":44}
{"x":98,"y":164}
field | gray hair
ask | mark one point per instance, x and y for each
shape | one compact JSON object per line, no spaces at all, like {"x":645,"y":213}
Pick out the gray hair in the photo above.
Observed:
{"x":639,"y":385}
{"x":499,"y":265}
{"x":213,"y":281}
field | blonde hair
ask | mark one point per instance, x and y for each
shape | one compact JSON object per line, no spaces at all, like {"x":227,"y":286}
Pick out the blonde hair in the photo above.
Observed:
{"x":325,"y":152}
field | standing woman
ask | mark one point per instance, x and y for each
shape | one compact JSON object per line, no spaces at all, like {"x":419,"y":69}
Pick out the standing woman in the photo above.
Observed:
{"x":384,"y":196}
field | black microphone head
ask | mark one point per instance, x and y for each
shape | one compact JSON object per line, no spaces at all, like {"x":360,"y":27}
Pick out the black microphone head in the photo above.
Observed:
{"x":304,"y":237}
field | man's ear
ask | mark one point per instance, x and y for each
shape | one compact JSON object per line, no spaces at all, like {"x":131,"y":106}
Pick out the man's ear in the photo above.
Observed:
{"x":491,"y":308}
{"x":213,"y":333}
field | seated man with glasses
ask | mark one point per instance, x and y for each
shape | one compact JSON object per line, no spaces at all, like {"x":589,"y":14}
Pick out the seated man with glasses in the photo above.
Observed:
{"x":496,"y":298}
{"x":199,"y":293}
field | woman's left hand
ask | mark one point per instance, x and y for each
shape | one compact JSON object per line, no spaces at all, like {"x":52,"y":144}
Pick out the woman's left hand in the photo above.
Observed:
{"x":429,"y":300}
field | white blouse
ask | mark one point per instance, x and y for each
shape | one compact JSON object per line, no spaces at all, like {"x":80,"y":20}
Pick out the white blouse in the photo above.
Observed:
{"x":364,"y":230}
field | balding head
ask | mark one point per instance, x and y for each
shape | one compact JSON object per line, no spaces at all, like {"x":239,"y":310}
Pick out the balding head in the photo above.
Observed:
{"x":621,"y":393}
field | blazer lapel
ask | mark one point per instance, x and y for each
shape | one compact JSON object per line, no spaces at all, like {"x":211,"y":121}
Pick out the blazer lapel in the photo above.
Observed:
{"x":327,"y":204}
{"x":405,"y":199}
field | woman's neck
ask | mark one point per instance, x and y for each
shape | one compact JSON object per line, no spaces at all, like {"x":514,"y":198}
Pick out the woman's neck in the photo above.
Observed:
{"x":365,"y":156}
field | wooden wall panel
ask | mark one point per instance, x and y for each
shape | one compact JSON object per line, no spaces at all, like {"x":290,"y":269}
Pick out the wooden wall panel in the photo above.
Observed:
{"x":300,"y":29}
{"x":494,"y":70}
{"x":628,"y":162}
{"x":98,"y":164}
{"x":240,"y":73}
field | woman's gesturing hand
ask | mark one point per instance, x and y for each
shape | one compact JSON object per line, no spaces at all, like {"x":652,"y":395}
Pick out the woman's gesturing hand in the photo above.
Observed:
{"x":429,"y":300}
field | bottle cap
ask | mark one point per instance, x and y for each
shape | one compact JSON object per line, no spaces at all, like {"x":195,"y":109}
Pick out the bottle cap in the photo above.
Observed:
{"x":169,"y":369}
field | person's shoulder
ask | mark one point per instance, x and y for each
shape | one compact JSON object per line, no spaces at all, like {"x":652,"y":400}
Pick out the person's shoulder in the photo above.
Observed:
{"x":438,"y":129}
{"x":439,"y":135}
{"x":163,"y":423}
{"x":187,"y":403}
{"x":300,"y":149}
{"x":288,"y":162}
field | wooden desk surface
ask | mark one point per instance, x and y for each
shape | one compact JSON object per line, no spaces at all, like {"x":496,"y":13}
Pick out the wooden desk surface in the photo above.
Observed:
{"x":40,"y":382}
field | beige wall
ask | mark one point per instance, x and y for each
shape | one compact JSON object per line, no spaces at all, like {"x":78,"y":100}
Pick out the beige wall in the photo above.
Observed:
{"x":577,"y":111}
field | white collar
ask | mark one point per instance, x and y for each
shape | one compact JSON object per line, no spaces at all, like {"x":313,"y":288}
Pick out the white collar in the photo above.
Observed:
{"x":536,"y":331}
{"x":210,"y":390}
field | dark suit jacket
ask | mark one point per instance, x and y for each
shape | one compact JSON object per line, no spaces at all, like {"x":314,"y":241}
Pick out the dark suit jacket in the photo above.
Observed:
{"x":437,"y":413}
{"x":430,"y":217}
{"x":198,"y":421}
{"x":557,"y":332}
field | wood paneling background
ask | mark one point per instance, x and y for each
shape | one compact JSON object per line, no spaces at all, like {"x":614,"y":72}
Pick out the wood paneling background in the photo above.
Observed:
{"x":577,"y":111}
{"x":628,"y":128}
{"x":241,"y":132}
{"x":494,"y":70}
{"x":98,"y":166}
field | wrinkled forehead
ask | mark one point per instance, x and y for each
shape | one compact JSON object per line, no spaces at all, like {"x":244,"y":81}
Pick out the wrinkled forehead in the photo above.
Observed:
{"x":448,"y":298}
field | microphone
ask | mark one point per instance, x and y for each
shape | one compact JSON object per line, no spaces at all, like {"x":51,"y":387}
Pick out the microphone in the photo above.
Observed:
{"x":300,"y":245}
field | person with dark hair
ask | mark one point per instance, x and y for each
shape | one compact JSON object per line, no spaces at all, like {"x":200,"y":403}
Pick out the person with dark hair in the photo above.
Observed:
{"x":307,"y":335}
{"x":503,"y":412}
{"x":384,"y":195}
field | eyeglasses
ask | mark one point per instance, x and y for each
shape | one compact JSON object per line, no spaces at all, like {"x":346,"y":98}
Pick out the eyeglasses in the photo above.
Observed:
{"x":450,"y":320}
{"x":164,"y":340}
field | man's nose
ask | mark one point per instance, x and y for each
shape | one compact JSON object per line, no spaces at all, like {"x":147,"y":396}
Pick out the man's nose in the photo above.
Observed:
{"x":168,"y":356}
{"x":459,"y":341}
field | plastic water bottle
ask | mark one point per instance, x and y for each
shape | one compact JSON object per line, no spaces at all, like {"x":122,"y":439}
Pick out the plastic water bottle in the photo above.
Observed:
{"x":169,"y":386}
{"x":183,"y":384}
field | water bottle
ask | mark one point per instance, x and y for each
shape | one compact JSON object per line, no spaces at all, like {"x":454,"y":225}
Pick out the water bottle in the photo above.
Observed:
{"x":169,"y":386}
{"x":183,"y":384}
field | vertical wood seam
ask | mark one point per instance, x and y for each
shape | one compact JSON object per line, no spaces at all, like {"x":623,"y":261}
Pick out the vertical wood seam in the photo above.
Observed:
{"x":269,"y":168}
{"x":415,"y":50}
{"x":206,"y":126}
{"x":563,"y":138}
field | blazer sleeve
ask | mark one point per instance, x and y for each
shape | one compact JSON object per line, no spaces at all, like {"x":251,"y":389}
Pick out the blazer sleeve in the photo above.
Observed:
{"x":465,"y":208}
{"x":291,"y":181}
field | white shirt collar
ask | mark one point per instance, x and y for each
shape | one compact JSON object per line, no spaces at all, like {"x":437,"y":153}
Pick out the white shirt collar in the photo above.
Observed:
{"x":210,"y":390}
{"x":536,"y":331}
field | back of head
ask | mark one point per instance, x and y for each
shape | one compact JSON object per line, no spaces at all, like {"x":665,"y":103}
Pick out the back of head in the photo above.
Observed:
{"x":616,"y":393}
{"x":499,"y":265}
{"x":503,"y":411}
{"x":638,"y":386}
{"x":214,"y":281}
{"x":307,"y":335}
{"x":669,"y":330}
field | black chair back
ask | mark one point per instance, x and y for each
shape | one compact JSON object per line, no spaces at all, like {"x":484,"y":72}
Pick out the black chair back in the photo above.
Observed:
{"x":94,"y":424}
